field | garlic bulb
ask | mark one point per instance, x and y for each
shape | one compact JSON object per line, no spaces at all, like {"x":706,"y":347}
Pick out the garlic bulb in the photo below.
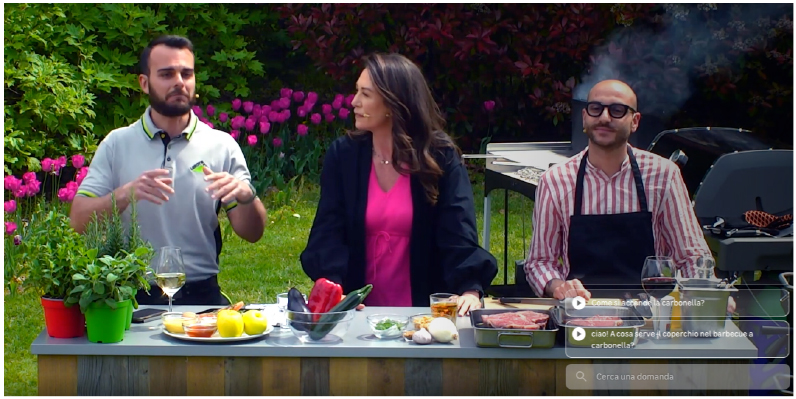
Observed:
{"x":421,"y":337}
{"x":443,"y":330}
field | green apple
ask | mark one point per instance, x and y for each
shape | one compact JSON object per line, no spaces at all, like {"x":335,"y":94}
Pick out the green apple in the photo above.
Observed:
{"x":254,"y":322}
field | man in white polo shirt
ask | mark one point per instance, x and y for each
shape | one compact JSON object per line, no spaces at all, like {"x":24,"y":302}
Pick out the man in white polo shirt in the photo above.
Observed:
{"x":180,"y":171}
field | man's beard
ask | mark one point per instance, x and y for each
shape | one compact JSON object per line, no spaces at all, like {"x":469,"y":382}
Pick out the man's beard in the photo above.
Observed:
{"x":621,"y":138}
{"x":171,"y":110}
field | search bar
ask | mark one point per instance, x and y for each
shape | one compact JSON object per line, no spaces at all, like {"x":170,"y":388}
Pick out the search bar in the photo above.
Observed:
{"x":674,"y":377}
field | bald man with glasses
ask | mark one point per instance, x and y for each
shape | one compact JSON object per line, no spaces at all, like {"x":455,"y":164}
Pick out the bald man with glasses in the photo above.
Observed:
{"x":601,"y":213}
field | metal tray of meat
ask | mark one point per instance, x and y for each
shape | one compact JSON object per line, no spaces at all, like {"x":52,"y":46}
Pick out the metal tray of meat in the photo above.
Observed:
{"x":605,"y":331}
{"x":490,"y":337}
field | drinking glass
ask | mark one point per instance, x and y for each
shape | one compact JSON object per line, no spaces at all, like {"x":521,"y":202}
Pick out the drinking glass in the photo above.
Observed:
{"x":170,"y":273}
{"x":444,"y":305}
{"x":704,"y":267}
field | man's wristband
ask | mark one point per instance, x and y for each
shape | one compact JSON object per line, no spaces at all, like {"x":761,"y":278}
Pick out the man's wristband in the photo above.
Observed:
{"x":253,"y":197}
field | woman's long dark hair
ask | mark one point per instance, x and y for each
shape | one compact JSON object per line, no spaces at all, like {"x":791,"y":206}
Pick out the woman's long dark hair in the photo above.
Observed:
{"x":417,"y":124}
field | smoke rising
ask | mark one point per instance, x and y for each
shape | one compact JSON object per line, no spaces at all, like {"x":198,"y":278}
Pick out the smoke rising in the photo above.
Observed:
{"x":690,"y":41}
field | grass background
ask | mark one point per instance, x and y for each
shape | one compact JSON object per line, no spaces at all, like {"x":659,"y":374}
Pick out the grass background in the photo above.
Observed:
{"x":255,"y":273}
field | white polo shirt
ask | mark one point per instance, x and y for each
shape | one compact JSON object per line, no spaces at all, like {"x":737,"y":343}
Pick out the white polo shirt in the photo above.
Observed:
{"x":189,"y":219}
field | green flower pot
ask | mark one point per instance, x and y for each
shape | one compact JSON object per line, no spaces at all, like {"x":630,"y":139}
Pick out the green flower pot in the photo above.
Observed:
{"x":106,"y":325}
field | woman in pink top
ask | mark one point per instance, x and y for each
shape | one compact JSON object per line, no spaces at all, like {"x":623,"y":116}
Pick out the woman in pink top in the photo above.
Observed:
{"x":396,"y":207}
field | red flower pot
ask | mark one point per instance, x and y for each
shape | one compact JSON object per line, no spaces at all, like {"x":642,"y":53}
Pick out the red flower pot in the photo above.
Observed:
{"x":62,"y":321}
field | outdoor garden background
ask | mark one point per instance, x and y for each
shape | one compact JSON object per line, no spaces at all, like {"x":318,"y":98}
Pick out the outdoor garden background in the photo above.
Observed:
{"x":279,"y":79}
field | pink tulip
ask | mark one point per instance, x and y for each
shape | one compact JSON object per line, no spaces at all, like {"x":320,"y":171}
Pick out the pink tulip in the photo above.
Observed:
{"x":337,"y":104}
{"x":248,"y":106}
{"x":58,"y":164}
{"x":489,"y":105}
{"x":78,"y":161}
{"x":47,"y":165}
{"x":326,"y":108}
{"x":72,"y":186}
{"x":266,"y":109}
{"x":312,"y":97}
{"x":285,"y":92}
{"x":285,"y":115}
{"x":63,"y":195}
{"x":21,"y":191}
{"x":277,"y":142}
{"x":33,"y":188}
{"x":308,"y":106}
{"x":250,"y":124}
{"x":211,"y":110}
{"x":315,"y":118}
{"x":197,"y":110}
{"x":10,"y":206}
{"x":343,"y":113}
{"x":264,"y":118}
{"x":238,"y":122}
{"x":235,"y":134}
{"x":81,"y":174}
{"x":11,"y":227}
{"x":11,"y":183}
{"x":204,"y":120}
{"x":210,"y":124}
{"x":301,"y":112}
{"x":349,"y":100}
{"x":29,"y":177}
{"x":275,"y":105}
{"x":265,"y":127}
{"x":329,"y":117}
{"x":298,"y":96}
{"x":338,"y":97}
{"x":284,"y":102}
{"x":236,"y":104}
{"x":274,"y":117}
{"x":302,"y":130}
{"x":257,"y":111}
{"x":223,"y":117}
{"x":252,"y":140}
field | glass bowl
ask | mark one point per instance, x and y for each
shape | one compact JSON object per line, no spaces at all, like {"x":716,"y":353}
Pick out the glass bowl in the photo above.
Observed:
{"x":172,"y":321}
{"x":327,"y":328}
{"x":387,"y":326}
{"x":200,"y":327}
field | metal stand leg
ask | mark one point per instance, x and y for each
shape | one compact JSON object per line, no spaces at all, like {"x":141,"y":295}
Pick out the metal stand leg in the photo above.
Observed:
{"x":506,"y":239}
{"x":487,"y":221}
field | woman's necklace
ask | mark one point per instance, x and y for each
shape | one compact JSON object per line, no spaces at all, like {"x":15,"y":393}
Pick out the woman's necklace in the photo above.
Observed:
{"x":382,"y":161}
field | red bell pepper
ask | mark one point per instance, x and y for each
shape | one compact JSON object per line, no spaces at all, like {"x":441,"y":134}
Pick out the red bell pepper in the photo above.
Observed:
{"x":324,"y":296}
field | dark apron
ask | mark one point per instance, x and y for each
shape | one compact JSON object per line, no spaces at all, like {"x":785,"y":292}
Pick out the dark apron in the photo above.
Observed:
{"x":204,"y":292}
{"x":608,"y":251}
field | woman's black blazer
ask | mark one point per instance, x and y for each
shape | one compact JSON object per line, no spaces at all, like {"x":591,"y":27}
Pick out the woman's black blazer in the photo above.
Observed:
{"x":444,"y":252}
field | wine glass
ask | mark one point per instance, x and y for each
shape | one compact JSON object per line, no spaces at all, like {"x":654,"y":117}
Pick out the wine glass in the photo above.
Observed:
{"x":170,"y":273}
{"x":658,"y":278}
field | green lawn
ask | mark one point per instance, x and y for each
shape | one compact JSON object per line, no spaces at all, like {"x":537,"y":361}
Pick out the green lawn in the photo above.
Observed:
{"x":253,"y":273}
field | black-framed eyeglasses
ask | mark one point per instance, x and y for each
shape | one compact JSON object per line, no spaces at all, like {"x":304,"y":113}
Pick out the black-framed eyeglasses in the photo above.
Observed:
{"x":617,"y":111}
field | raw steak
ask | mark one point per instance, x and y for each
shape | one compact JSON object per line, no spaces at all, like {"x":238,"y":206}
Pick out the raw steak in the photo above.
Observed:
{"x":525,"y":320}
{"x":597,"y":321}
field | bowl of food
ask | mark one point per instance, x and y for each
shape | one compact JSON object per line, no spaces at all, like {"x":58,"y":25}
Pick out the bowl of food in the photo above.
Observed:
{"x":322,"y":328}
{"x":172,"y":321}
{"x":203,"y":327}
{"x":387,"y":326}
{"x":417,"y":322}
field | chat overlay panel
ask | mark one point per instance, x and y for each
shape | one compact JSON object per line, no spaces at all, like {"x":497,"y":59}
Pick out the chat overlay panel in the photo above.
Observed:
{"x":674,"y":377}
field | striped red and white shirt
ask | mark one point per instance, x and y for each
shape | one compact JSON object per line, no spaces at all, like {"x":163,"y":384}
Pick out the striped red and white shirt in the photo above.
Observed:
{"x":675,"y":226}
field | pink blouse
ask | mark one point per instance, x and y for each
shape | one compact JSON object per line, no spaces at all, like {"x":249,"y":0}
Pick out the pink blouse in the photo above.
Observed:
{"x":388,"y":229}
